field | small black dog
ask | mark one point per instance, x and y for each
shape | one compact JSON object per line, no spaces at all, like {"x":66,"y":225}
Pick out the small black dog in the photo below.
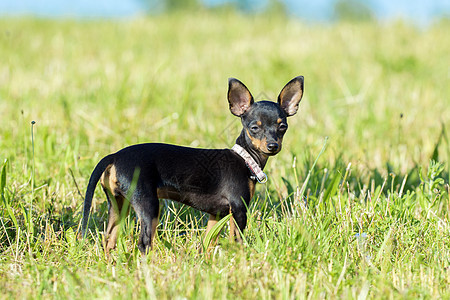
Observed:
{"x":215,"y":181}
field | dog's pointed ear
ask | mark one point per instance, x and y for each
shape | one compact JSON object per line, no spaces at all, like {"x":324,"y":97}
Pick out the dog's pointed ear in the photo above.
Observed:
{"x":239,"y":97}
{"x":291,"y":95}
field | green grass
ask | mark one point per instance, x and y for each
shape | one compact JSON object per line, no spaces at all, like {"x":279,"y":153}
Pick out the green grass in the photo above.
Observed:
{"x":369,"y":219}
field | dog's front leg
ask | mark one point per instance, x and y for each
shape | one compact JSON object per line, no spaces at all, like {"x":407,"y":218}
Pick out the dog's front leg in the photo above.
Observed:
{"x":239,"y":218}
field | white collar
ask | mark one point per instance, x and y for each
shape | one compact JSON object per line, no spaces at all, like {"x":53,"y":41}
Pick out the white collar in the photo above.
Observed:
{"x":251,"y":163}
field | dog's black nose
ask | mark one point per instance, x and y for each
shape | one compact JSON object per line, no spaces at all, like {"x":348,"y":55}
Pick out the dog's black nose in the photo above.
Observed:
{"x":272,"y":147}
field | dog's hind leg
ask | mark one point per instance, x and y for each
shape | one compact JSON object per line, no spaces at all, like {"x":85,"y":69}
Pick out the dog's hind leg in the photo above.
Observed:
{"x":147,"y":209}
{"x":119,"y":208}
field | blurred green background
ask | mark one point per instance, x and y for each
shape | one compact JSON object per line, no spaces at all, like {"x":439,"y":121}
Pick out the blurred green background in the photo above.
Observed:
{"x":372,"y":218}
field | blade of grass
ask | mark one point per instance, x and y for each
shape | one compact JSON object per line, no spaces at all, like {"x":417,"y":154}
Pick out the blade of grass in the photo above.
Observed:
{"x":387,"y":236}
{"x":3,"y":179}
{"x":305,"y":183}
{"x":214,"y":232}
{"x":333,"y":187}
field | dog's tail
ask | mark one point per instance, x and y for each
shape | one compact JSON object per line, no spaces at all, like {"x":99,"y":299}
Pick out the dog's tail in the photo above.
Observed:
{"x":95,"y":177}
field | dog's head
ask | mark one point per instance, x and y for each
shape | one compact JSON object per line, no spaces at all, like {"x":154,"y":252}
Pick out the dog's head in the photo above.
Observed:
{"x":265,"y":122}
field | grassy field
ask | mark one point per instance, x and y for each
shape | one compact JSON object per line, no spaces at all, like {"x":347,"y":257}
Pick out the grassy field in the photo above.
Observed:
{"x":369,"y":220}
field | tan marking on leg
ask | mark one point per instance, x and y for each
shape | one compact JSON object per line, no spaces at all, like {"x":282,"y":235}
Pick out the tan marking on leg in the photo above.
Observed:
{"x":117,"y":204}
{"x":238,"y":235}
{"x":119,"y":210}
{"x":155,"y":222}
{"x":211,"y":222}
{"x":251,"y":187}
{"x":115,"y":216}
{"x":232,"y":229}
{"x":111,"y":237}
{"x":111,"y":185}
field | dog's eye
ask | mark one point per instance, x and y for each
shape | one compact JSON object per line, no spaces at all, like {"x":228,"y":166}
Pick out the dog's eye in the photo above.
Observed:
{"x":283,"y":127}
{"x":254,"y":127}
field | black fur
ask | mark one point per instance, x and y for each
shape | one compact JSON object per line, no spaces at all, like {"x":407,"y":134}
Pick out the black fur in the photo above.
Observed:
{"x":215,"y":181}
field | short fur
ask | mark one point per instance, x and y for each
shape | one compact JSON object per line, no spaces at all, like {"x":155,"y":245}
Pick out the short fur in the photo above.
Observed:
{"x":214,"y":181}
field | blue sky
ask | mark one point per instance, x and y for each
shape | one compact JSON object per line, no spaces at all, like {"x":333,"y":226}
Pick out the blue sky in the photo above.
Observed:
{"x":77,"y":8}
{"x":418,"y":11}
